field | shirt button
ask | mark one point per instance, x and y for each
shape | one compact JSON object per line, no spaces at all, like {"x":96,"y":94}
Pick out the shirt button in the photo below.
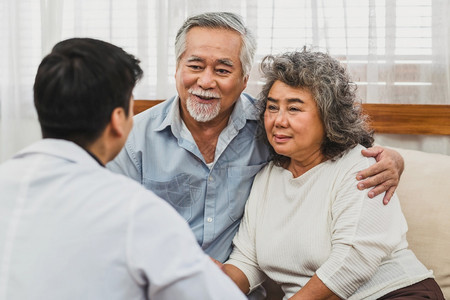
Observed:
{"x":211,"y":178}
{"x":209,"y":220}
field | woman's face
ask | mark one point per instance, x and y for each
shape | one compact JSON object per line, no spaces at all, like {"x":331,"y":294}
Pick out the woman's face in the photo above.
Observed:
{"x":292,"y":121}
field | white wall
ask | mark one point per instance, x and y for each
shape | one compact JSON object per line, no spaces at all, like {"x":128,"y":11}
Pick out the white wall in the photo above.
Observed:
{"x":18,"y":134}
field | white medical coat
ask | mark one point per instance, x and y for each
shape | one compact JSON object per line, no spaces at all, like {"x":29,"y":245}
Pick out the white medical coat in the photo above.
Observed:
{"x":71,"y":229}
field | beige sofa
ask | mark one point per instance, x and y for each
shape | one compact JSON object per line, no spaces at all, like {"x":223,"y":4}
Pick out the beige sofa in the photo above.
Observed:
{"x":424,"y":193}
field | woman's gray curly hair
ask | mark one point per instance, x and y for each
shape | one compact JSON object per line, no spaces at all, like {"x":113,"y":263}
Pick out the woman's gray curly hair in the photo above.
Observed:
{"x":329,"y":83}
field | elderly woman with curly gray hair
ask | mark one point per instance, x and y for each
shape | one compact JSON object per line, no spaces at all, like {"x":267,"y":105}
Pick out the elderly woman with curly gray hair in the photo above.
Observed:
{"x":306,"y":225}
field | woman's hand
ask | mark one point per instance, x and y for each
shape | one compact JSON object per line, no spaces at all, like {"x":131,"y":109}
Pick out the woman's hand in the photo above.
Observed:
{"x":218,"y":263}
{"x":237,"y":276}
{"x":384,"y":176}
{"x":314,"y":289}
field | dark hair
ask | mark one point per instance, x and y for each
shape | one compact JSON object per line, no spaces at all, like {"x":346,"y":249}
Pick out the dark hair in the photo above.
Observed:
{"x":79,"y":84}
{"x":329,"y":83}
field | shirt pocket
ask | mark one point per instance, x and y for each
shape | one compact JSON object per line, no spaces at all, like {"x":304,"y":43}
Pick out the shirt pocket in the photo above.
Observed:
{"x":176,"y":191}
{"x":240,"y":181}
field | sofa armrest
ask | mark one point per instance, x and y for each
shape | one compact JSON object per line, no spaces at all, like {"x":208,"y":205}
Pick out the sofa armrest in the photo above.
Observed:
{"x":424,"y":193}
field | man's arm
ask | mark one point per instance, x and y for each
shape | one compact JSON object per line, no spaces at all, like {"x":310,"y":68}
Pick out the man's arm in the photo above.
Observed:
{"x":384,"y":176}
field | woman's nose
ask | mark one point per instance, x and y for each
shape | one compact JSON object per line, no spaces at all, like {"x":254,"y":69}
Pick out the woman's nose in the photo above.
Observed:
{"x":280,"y":119}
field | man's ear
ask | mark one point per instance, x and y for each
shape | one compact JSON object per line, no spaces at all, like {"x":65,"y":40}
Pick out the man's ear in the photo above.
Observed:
{"x":246,"y":81}
{"x":117,"y":123}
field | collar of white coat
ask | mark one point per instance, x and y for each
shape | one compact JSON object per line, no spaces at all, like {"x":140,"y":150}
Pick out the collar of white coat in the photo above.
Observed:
{"x":60,"y":148}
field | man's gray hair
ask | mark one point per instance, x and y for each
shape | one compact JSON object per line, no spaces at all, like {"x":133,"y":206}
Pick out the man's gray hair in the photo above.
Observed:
{"x":220,"y":20}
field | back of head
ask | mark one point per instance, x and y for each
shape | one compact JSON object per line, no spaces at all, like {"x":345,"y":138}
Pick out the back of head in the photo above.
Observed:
{"x":220,"y":20}
{"x":79,"y":84}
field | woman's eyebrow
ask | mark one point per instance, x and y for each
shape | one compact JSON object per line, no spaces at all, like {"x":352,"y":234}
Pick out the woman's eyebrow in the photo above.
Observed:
{"x":290,"y":100}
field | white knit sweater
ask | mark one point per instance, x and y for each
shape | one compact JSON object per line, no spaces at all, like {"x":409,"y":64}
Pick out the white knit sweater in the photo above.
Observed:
{"x":321,"y":223}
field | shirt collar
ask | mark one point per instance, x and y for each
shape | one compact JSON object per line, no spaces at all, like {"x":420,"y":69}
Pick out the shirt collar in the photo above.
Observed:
{"x":244,"y":109}
{"x":61,"y":148}
{"x":94,"y":157}
{"x":172,"y":114}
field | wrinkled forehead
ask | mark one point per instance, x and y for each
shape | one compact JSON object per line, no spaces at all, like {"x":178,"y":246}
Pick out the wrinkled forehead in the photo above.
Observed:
{"x":215,"y":38}
{"x":220,"y":46}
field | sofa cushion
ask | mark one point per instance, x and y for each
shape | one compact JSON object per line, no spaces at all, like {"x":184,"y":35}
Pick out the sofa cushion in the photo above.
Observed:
{"x":424,"y":193}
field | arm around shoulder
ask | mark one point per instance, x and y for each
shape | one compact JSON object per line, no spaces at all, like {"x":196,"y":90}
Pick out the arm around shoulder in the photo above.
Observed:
{"x":383,"y":176}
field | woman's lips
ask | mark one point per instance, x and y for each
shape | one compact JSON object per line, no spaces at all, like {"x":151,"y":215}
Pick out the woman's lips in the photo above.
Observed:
{"x":280,"y":138}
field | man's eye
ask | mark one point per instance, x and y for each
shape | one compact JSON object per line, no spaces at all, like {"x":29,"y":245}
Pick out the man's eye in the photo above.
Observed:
{"x":194,"y":67}
{"x":293,"y":108}
{"x":223,"y":71}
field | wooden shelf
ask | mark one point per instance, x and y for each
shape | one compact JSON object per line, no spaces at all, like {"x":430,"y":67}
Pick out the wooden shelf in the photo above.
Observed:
{"x":385,"y":118}
{"x":409,"y":118}
{"x":141,"y":105}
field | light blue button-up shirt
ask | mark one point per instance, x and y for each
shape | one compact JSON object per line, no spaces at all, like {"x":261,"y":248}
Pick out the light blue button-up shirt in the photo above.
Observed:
{"x":170,"y":164}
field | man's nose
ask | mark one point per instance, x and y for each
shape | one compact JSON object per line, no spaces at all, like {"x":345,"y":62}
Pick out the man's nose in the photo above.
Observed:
{"x":206,"y":79}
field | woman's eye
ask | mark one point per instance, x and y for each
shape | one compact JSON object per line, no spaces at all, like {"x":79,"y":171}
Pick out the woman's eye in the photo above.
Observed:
{"x":271,"y":107}
{"x":293,"y":108}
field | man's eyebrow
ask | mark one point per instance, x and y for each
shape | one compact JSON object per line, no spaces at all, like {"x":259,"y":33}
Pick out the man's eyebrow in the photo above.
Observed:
{"x":226,"y":62}
{"x":195,"y":58}
{"x":223,"y":61}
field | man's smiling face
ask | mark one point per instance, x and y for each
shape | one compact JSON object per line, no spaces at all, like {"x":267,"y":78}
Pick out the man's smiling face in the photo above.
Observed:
{"x":209,"y":76}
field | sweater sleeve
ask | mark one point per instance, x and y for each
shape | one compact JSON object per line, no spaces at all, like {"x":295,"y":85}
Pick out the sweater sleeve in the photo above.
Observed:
{"x":244,"y":255}
{"x":363,"y":231}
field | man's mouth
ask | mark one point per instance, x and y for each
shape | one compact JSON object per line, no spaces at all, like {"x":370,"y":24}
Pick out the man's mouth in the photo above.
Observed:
{"x":204,"y":95}
{"x":205,"y":98}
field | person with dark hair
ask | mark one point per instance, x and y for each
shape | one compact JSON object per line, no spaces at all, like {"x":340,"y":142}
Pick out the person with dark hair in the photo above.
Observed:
{"x":306,"y":225}
{"x":72,"y":101}
{"x":199,"y":149}
{"x":70,"y":228}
